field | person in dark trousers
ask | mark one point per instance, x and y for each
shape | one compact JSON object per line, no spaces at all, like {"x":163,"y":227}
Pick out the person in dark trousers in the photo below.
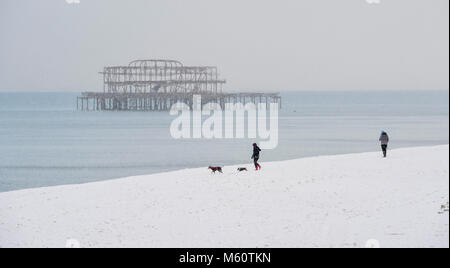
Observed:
{"x":255,"y":156}
{"x":384,"y":139}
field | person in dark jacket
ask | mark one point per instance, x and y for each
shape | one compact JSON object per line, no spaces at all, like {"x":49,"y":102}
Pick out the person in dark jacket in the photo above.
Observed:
{"x":255,"y":156}
{"x":384,"y":139}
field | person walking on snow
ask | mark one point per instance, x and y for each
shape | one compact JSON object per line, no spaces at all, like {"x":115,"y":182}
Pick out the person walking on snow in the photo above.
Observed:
{"x":384,"y":139}
{"x":255,"y":156}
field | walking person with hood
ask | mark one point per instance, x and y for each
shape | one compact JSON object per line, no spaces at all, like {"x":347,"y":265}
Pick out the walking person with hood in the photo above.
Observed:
{"x":384,"y":139}
{"x":255,"y":156}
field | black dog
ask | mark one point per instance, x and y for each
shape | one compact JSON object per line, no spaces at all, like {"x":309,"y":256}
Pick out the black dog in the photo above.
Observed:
{"x":241,"y":169}
{"x":214,"y":169}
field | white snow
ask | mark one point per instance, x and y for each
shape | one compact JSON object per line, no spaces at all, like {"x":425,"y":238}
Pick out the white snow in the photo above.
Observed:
{"x":329,"y":201}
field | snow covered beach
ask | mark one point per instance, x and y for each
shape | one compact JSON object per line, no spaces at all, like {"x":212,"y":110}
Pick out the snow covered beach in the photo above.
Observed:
{"x":327,"y":201}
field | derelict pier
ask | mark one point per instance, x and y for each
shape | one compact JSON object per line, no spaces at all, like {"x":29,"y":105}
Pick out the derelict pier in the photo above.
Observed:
{"x":155,"y":85}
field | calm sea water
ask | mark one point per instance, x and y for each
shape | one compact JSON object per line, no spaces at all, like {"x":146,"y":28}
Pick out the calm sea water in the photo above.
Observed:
{"x":44,"y":141}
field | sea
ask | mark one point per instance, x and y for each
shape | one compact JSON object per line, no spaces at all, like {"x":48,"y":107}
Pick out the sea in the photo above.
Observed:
{"x":46,"y":141}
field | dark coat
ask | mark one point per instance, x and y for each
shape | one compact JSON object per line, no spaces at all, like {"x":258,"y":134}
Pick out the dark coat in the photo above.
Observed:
{"x":384,"y":139}
{"x":256,"y":151}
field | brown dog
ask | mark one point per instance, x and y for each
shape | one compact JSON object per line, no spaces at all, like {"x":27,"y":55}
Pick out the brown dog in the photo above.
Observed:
{"x":241,"y":169}
{"x":214,"y":169}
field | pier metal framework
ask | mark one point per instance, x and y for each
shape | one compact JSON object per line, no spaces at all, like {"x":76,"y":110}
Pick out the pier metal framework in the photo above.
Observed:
{"x":155,"y":85}
{"x":161,"y":76}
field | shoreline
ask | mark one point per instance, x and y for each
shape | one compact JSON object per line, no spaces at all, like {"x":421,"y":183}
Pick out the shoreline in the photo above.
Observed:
{"x":249,"y":164}
{"x":324,"y":201}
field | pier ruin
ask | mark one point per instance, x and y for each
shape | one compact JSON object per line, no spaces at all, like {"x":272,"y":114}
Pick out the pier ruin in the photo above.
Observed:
{"x":155,"y":85}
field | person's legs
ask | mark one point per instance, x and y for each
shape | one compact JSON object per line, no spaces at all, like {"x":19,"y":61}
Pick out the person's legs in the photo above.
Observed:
{"x":255,"y":161}
{"x":384,"y":148}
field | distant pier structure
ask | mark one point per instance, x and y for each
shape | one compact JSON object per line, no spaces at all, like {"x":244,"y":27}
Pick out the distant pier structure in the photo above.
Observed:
{"x":155,"y":85}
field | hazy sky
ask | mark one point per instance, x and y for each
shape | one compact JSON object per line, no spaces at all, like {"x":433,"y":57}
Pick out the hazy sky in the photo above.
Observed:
{"x":50,"y":45}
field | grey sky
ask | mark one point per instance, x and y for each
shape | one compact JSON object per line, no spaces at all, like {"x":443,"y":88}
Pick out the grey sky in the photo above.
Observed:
{"x":49,"y":45}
